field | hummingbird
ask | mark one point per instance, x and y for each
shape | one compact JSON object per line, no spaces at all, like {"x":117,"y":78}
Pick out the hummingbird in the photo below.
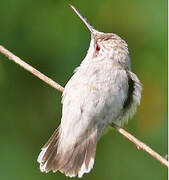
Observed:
{"x":103,"y":90}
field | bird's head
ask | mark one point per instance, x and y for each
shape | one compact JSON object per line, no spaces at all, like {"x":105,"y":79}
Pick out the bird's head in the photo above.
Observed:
{"x":106,"y":45}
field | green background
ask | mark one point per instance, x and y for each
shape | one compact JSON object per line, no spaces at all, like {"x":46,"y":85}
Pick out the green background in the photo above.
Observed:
{"x":50,"y":37}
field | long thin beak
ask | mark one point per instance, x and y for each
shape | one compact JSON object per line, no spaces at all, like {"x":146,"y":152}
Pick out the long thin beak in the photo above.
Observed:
{"x":92,"y":30}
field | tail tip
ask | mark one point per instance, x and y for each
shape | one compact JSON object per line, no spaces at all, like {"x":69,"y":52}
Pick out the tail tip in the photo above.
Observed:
{"x":43,"y":167}
{"x":42,"y":153}
{"x":71,"y":175}
{"x":84,"y":170}
{"x":40,"y":160}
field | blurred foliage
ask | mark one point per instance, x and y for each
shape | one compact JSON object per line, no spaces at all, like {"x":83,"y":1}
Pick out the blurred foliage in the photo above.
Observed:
{"x":49,"y":36}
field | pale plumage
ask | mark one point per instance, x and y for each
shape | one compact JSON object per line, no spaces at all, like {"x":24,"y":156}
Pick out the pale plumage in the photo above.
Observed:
{"x":102,"y":90}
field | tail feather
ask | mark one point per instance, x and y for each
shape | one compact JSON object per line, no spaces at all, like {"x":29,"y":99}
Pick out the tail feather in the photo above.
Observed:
{"x":72,"y":166}
{"x":48,"y":152}
{"x":75,"y":161}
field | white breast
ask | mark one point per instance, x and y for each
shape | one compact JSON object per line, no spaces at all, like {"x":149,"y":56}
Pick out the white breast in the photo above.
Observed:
{"x":93,"y":97}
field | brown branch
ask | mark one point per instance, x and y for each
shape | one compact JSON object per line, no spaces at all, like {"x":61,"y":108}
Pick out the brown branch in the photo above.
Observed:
{"x":29,"y":68}
{"x":138,"y":143}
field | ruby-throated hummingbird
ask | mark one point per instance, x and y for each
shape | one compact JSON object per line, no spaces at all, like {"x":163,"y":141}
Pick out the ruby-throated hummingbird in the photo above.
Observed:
{"x":103,"y":90}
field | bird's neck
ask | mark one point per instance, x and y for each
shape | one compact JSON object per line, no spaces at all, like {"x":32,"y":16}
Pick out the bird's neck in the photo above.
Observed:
{"x":123,"y":63}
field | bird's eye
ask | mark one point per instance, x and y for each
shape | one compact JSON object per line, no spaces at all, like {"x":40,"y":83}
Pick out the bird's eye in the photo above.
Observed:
{"x":97,"y":48}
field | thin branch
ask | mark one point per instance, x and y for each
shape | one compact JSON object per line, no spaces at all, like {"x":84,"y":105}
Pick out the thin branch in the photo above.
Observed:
{"x":138,"y":143}
{"x":29,"y":68}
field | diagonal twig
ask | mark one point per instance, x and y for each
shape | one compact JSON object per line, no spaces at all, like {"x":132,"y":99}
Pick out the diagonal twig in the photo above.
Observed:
{"x":29,"y":68}
{"x":138,"y":143}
